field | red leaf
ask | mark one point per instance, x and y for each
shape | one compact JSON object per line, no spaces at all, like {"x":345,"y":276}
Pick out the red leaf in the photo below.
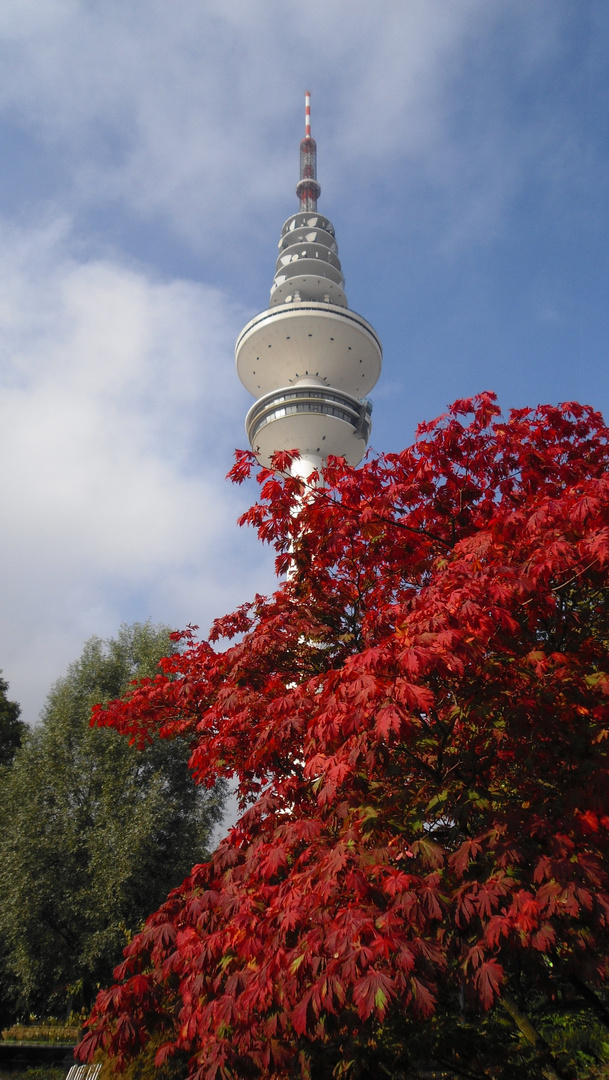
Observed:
{"x":302,"y":1015}
{"x":488,"y":979}
{"x":164,"y":1053}
{"x":372,"y":994}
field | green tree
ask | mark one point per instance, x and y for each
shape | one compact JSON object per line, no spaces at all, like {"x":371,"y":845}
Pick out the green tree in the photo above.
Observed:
{"x":12,"y":732}
{"x":12,"y":729}
{"x":95,"y":832}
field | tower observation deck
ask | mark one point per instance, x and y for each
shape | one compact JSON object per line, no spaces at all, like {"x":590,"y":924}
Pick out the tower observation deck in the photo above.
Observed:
{"x":308,"y":359}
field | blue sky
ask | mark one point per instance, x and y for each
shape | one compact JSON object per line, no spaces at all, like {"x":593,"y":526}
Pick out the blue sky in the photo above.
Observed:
{"x":150,"y":154}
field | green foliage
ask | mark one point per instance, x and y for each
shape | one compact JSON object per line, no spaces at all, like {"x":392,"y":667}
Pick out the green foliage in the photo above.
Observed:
{"x":41,"y":1072}
{"x":463,"y":1044}
{"x":50,"y":1030}
{"x":142,"y":1067}
{"x":94,"y":831}
{"x":580,"y":1037}
{"x":12,"y":729}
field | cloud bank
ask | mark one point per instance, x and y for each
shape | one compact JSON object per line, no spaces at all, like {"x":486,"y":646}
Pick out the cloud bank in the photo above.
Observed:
{"x":149,"y":155}
{"x":118,"y":416}
{"x":184,"y":112}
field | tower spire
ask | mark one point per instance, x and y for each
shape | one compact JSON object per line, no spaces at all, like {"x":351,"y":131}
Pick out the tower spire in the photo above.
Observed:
{"x":307,"y":188}
{"x":307,"y":359}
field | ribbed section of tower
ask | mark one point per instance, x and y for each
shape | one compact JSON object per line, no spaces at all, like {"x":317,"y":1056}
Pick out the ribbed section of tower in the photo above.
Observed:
{"x":308,"y":359}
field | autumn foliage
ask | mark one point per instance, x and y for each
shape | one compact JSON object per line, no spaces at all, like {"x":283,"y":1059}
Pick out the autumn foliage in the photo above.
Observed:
{"x":417,"y":720}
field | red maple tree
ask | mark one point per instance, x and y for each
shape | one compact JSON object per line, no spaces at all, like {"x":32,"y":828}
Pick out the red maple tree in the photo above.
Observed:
{"x":417,"y":721}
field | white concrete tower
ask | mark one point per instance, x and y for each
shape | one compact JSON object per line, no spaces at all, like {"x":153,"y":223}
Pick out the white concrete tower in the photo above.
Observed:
{"x":307,"y":359}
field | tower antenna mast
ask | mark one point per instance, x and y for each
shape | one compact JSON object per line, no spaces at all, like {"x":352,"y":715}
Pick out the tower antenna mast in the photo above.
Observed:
{"x":307,"y":188}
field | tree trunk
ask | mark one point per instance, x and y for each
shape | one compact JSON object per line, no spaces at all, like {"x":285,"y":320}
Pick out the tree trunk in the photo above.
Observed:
{"x":550,"y":1067}
{"x":591,"y":998}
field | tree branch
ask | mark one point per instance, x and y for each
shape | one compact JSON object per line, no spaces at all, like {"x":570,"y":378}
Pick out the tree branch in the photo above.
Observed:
{"x":550,"y":1067}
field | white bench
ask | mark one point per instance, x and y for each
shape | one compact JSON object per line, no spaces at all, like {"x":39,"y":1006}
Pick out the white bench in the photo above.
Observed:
{"x":84,"y":1072}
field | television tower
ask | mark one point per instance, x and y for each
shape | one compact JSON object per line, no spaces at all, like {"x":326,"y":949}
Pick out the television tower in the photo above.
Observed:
{"x":308,"y":359}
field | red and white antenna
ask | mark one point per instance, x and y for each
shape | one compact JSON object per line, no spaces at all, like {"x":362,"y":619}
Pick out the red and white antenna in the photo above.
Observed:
{"x":308,"y":189}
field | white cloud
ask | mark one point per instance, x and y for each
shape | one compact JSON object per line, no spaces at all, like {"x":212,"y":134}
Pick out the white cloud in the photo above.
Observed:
{"x":119,"y":410}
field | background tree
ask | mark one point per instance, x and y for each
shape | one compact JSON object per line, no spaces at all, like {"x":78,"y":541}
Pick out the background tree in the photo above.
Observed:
{"x":94,"y":833}
{"x":418,"y":719}
{"x":12,"y":729}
